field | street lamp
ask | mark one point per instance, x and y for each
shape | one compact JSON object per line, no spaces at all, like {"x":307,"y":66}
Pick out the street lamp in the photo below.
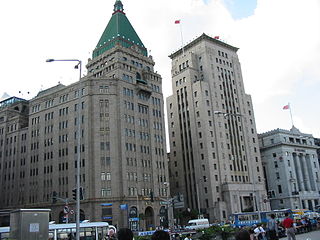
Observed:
{"x":78,"y":66}
{"x":255,"y":205}
{"x":168,"y":201}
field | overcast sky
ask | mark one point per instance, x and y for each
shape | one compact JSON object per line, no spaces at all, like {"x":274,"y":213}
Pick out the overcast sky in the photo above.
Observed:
{"x":279,"y":43}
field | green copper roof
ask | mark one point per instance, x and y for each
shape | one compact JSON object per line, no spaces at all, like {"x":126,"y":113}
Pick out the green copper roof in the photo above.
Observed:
{"x":118,"y":30}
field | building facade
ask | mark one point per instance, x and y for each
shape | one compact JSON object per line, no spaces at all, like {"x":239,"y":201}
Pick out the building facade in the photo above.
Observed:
{"x":214,"y":153}
{"x":122,"y":150}
{"x":291,"y":167}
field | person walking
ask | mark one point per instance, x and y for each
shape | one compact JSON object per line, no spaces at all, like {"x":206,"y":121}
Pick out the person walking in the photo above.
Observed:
{"x":273,"y":228}
{"x":188,"y":237}
{"x":160,"y":235}
{"x":259,"y":232}
{"x":243,"y":235}
{"x":288,"y":224}
{"x":125,"y":234}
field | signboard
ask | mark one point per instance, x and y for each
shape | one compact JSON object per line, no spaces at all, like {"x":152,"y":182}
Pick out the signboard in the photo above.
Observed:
{"x":123,"y":206}
{"x":34,"y":227}
{"x":106,"y":204}
{"x":147,"y":233}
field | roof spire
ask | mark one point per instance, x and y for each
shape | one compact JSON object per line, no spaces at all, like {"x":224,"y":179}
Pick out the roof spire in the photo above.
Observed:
{"x":118,"y":7}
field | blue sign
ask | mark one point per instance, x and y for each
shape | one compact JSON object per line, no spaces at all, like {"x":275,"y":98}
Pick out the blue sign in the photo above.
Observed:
{"x":106,"y":217}
{"x":106,"y":204}
{"x":147,"y":233}
{"x":133,"y":219}
{"x":123,"y":206}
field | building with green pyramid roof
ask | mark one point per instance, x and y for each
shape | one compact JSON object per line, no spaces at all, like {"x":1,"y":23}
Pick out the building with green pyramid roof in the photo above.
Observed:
{"x":123,"y":148}
{"x":118,"y":31}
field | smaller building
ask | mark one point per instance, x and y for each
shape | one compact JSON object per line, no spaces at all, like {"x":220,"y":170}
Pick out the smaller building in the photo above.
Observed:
{"x":291,"y":168}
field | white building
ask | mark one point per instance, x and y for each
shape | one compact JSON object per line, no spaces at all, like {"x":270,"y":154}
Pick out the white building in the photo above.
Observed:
{"x":214,"y":153}
{"x":291,"y":167}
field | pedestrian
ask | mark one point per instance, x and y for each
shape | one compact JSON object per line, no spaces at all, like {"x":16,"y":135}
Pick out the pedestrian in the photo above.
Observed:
{"x":188,"y":237}
{"x":273,"y":228}
{"x":125,"y":234}
{"x":288,"y":224}
{"x":259,"y":232}
{"x":160,"y":235}
{"x":111,"y":234}
{"x":243,"y":235}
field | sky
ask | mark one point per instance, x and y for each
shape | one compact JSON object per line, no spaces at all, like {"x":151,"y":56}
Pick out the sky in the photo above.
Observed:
{"x":278,"y":41}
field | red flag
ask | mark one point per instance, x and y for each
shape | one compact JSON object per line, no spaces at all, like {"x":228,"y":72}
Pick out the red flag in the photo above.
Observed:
{"x":286,"y":107}
{"x":216,"y":37}
{"x":177,"y":22}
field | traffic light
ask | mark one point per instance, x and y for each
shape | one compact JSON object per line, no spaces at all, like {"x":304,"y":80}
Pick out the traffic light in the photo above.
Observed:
{"x":179,"y":197}
{"x":81,"y":193}
{"x":74,"y":194}
{"x":54,"y":197}
{"x":151,"y":197}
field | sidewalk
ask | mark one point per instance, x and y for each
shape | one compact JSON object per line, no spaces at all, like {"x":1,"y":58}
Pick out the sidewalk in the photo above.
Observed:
{"x":314,"y":235}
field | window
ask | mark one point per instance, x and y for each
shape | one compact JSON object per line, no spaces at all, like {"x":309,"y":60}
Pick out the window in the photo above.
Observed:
{"x":279,"y":189}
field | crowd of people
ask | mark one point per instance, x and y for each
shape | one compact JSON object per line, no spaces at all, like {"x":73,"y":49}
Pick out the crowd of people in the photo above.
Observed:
{"x":273,"y":230}
{"x":127,"y":234}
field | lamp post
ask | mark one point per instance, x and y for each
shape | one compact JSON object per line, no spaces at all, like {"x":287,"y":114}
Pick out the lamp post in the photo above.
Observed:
{"x":78,"y":66}
{"x":255,"y":204}
{"x":168,"y":201}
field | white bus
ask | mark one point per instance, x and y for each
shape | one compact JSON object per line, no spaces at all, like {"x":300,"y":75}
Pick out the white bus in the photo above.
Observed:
{"x":88,"y":231}
{"x":198,"y":224}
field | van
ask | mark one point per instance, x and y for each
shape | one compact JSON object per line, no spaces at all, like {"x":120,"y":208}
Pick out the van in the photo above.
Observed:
{"x":198,"y":224}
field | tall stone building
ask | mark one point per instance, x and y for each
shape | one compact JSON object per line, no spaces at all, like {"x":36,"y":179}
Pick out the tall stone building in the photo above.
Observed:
{"x":292,"y":168}
{"x":214,"y":153}
{"x":14,"y":167}
{"x":123,"y":151}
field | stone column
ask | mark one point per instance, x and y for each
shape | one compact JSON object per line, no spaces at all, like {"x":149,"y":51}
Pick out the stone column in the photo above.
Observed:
{"x":305,"y":173}
{"x":298,"y":172}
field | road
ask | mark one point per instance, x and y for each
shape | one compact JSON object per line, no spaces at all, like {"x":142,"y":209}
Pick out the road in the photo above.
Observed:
{"x":315,"y":235}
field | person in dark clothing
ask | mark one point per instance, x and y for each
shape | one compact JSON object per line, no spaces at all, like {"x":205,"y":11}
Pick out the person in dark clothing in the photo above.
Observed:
{"x":125,"y":234}
{"x":243,"y":235}
{"x":273,"y":228}
{"x":160,"y":235}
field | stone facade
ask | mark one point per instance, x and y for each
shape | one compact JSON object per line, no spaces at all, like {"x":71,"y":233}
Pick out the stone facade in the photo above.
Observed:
{"x":214,"y":154}
{"x":123,"y":146}
{"x":291,"y":167}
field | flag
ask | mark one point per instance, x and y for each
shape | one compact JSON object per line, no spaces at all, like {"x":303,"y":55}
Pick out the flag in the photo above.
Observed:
{"x":177,"y":22}
{"x":286,"y":107}
{"x":216,"y":37}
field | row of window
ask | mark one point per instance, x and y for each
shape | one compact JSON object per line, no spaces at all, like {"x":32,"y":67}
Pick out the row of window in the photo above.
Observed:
{"x":50,"y":103}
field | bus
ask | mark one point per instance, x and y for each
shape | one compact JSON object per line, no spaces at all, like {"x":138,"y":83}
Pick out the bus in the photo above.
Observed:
{"x":88,"y":231}
{"x":253,"y":218}
{"x":4,"y":233}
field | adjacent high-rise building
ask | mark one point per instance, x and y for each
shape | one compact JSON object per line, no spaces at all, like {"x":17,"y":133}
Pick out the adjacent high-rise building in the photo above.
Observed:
{"x":123,"y":148}
{"x":292,"y":169}
{"x":214,"y":153}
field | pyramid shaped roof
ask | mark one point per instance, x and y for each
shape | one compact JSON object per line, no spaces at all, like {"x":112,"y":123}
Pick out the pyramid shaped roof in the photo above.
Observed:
{"x":118,"y":30}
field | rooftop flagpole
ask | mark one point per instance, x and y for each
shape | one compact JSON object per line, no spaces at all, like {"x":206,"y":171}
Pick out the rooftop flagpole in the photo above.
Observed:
{"x":179,"y":22}
{"x":286,"y":107}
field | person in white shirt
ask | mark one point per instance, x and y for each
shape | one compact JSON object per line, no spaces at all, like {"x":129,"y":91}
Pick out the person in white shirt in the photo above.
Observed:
{"x":259,"y":232}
